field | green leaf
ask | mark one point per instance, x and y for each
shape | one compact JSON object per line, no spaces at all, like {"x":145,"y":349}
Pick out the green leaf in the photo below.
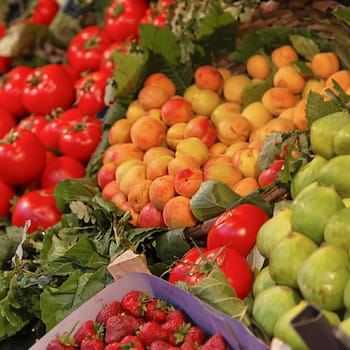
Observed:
{"x":305,"y":47}
{"x":304,"y":69}
{"x":212,"y":198}
{"x":343,"y":14}
{"x":254,"y":91}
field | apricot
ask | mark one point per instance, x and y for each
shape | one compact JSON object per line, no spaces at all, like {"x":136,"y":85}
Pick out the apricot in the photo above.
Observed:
{"x":221,"y":158}
{"x":208,"y":77}
{"x":133,"y":175}
{"x":127,"y":207}
{"x":176,"y":110}
{"x":175,"y":134}
{"x":187,"y":181}
{"x":161,"y":191}
{"x":341,"y":77}
{"x":223,"y":110}
{"x":234,"y":87}
{"x":118,"y":199}
{"x":277,"y":99}
{"x":155,"y":152}
{"x":105,"y":174}
{"x":225,"y":73}
{"x":216,"y":149}
{"x":152,"y":96}
{"x":234,"y":147}
{"x":147,"y":132}
{"x":224,"y":172}
{"x":119,"y":132}
{"x":138,"y":195}
{"x":324,"y":64}
{"x":150,"y":216}
{"x":194,"y":147}
{"x":258,"y":67}
{"x":245,"y":186}
{"x":182,"y":161}
{"x":134,"y":111}
{"x":125,"y":166}
{"x":110,"y":189}
{"x":161,"y":80}
{"x":120,"y":152}
{"x":313,"y":85}
{"x":233,"y":129}
{"x":299,"y":115}
{"x":283,"y":56}
{"x":257,"y":114}
{"x":201,"y":127}
{"x":204,"y":101}
{"x":287,"y":113}
{"x":276,"y":124}
{"x":154,"y":113}
{"x":177,"y":213}
{"x":158,"y":167}
{"x":246,"y":161}
{"x":290,"y":78}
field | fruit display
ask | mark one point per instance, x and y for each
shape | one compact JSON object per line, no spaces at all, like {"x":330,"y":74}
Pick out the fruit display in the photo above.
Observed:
{"x":215,"y":151}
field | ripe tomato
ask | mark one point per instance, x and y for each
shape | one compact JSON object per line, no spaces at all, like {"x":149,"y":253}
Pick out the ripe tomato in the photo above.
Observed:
{"x":107,"y":63}
{"x":12,"y":84}
{"x":60,"y":168}
{"x":122,"y":18}
{"x":45,"y":11}
{"x":80,"y":139}
{"x":7,"y":122}
{"x":48,"y":88}
{"x":90,"y":91}
{"x":237,"y":227}
{"x":35,"y":123}
{"x":86,"y":48}
{"x":38,"y":206}
{"x":22,"y":157}
{"x":180,"y":271}
{"x":7,"y":193}
{"x":232,"y":263}
{"x":268,"y":176}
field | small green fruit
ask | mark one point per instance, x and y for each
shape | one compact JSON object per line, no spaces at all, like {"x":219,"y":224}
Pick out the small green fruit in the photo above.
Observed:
{"x":342,"y":140}
{"x":262,"y":281}
{"x":345,"y":326}
{"x":346,"y":296}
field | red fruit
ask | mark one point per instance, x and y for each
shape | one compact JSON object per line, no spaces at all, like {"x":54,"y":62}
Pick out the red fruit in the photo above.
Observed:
{"x":152,"y":331}
{"x":55,"y":344}
{"x":87,"y":329}
{"x":156,"y":310}
{"x":92,"y":344}
{"x":7,"y":193}
{"x":134,"y":303}
{"x":7,"y":122}
{"x":132,"y":342}
{"x":215,"y":342}
{"x":195,"y":335}
{"x":119,"y":326}
{"x":160,"y":345}
{"x":109,"y":310}
{"x":113,"y":346}
{"x":174,"y":320}
{"x":188,"y":345}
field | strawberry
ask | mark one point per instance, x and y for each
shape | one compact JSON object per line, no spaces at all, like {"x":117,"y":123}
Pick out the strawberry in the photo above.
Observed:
{"x":132,"y":342}
{"x":152,"y":331}
{"x":215,"y":342}
{"x":87,"y":329}
{"x":195,"y":335}
{"x":113,"y":346}
{"x":187,"y":345}
{"x":174,"y":319}
{"x":56,"y":344}
{"x":156,"y":310}
{"x":133,"y":303}
{"x":161,"y":345}
{"x":111,"y":309}
{"x":92,"y":344}
{"x":119,"y":326}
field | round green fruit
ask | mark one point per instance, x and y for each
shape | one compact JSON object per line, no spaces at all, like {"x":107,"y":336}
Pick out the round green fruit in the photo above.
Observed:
{"x":262,"y":281}
{"x":346,"y":296}
{"x":342,"y":140}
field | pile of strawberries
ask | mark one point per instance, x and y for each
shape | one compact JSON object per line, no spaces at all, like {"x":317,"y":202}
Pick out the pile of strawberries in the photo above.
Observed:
{"x":138,"y":322}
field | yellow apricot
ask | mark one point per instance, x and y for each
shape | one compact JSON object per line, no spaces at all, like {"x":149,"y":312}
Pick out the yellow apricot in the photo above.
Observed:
{"x":283,"y":56}
{"x":258,"y":67}
{"x":324,"y":64}
{"x":288,"y":77}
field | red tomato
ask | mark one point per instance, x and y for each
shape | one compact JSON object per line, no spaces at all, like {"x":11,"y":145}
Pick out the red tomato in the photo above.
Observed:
{"x":45,"y":11}
{"x":22,"y":157}
{"x":86,"y":49}
{"x":63,"y":167}
{"x":90,"y":91}
{"x":122,"y":18}
{"x":268,"y":176}
{"x":237,"y":228}
{"x":12,"y":84}
{"x":107,"y":63}
{"x":80,"y":139}
{"x":232,"y":263}
{"x":38,"y":206}
{"x":7,"y":193}
{"x":49,"y":157}
{"x":7,"y":122}
{"x":50,"y":133}
{"x":180,"y":271}
{"x":48,"y":88}
{"x":34,"y":123}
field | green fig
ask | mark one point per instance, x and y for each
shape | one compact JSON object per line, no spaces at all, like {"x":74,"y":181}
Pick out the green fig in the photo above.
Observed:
{"x":270,"y":304}
{"x":288,"y":256}
{"x":346,"y":296}
{"x":337,"y":230}
{"x":312,"y":210}
{"x":341,"y":141}
{"x":273,"y":230}
{"x":262,"y":281}
{"x":307,"y":188}
{"x":323,"y":276}
{"x":306,"y":175}
{"x":336,"y":173}
{"x":345,"y":326}
{"x":323,"y":131}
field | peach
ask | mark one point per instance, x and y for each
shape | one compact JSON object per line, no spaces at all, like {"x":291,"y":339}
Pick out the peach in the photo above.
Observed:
{"x":277,"y":99}
{"x":119,"y":132}
{"x":257,"y":114}
{"x":175,"y":134}
{"x":134,"y":217}
{"x":204,"y":101}
{"x":258,"y":67}
{"x":138,"y":195}
{"x":247,"y":162}
{"x":176,"y":110}
{"x":147,"y":132}
{"x":221,"y":158}
{"x":233,"y":129}
{"x":290,"y":78}
{"x":161,"y":80}
{"x":158,"y":167}
{"x":324,"y":64}
{"x":152,"y":96}
{"x":299,"y":115}
{"x":194,"y":147}
{"x":125,"y":166}
{"x":132,"y":176}
{"x":155,"y":152}
{"x":161,"y":191}
{"x":234,"y":87}
{"x":232,"y":149}
{"x":245,"y":186}
{"x":315,"y":85}
{"x":181,"y":162}
{"x":224,"y":172}
{"x":120,"y":152}
{"x":283,"y":56}
{"x":208,"y":77}
{"x":118,"y":198}
{"x":187,"y":181}
{"x":150,"y":216}
{"x":223,"y":110}
{"x":110,"y":189}
{"x":177,"y":213}
{"x":134,"y":111}
{"x":201,"y":127}
{"x":216,"y":149}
